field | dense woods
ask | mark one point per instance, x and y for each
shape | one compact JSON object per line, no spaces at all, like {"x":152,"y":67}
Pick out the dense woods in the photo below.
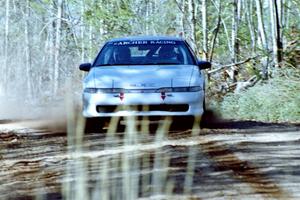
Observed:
{"x":43,"y":41}
{"x":46,"y":152}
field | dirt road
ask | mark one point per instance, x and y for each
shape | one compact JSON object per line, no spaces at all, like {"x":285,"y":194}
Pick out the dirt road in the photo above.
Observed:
{"x":227,"y":160}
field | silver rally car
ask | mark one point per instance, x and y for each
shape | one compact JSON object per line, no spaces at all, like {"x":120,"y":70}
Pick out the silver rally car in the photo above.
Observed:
{"x":144,"y":76}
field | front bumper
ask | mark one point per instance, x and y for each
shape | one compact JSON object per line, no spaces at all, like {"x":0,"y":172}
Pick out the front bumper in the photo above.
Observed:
{"x":143,"y":104}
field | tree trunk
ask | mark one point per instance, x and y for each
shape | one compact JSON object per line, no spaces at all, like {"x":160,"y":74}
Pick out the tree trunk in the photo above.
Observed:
{"x":263,"y":43}
{"x":183,"y":22}
{"x":287,"y":15}
{"x":91,"y":37}
{"x":278,"y":31}
{"x":249,"y":15}
{"x":5,"y":70}
{"x":192,"y":24}
{"x":216,"y":31}
{"x":82,"y":31}
{"x":28,"y":51}
{"x":281,"y":16}
{"x":261,"y":28}
{"x":147,"y":15}
{"x":227,"y":35}
{"x":204,"y":29}
{"x":235,"y":26}
{"x":275,"y":27}
{"x":57,"y":46}
{"x":90,"y":43}
{"x":50,"y":50}
{"x":234,"y":36}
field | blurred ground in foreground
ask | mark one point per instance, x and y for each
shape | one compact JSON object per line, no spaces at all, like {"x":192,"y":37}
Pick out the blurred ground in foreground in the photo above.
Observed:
{"x":227,"y":159}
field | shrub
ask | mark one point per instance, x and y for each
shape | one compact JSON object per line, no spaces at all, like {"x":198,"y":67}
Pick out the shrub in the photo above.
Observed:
{"x":276,"y":100}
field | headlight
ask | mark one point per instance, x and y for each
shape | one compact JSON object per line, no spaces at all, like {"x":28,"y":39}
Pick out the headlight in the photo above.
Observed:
{"x":90,"y":90}
{"x":195,"y":88}
{"x":103,"y":90}
{"x":180,"y":89}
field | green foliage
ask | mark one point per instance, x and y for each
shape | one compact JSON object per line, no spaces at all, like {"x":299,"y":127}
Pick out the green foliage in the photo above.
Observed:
{"x":276,"y":100}
{"x":113,"y":18}
{"x":87,"y":24}
{"x":151,"y":19}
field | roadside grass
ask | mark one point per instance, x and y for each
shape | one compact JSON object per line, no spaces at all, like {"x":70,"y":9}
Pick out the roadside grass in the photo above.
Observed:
{"x":275,"y":100}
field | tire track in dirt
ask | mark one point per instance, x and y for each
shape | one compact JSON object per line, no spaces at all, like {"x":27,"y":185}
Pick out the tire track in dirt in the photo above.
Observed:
{"x":219,"y":157}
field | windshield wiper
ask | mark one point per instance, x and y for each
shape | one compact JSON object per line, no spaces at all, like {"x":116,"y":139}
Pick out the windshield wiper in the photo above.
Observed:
{"x":163,"y":63}
{"x":159,"y":63}
{"x":117,"y":64}
{"x":103,"y":65}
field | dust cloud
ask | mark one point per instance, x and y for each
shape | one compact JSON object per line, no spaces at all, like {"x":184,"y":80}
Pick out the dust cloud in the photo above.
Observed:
{"x":45,"y":112}
{"x":18,"y":109}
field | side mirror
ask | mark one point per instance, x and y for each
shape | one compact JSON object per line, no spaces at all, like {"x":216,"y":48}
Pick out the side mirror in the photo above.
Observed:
{"x":85,"y":67}
{"x":204,"y":64}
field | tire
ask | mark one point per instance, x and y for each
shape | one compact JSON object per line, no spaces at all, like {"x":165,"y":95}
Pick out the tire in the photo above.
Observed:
{"x":182,"y":123}
{"x":204,"y":106}
{"x":94,"y":125}
{"x":203,"y":120}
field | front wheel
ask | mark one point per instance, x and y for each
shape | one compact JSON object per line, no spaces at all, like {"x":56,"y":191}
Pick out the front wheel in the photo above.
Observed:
{"x":94,"y":125}
{"x":204,"y":115}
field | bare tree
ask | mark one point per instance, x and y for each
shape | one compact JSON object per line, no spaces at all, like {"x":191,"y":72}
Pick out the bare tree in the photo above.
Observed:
{"x":249,"y":15}
{"x":191,"y":7}
{"x":275,"y":27}
{"x":261,"y":28}
{"x":57,"y":45}
{"x":50,"y":42}
{"x":287,"y":15}
{"x":82,"y":31}
{"x":204,"y":29}
{"x":226,"y":31}
{"x":27,"y":50}
{"x":278,"y":17}
{"x":263,"y":43}
{"x":194,"y":7}
{"x":235,"y":27}
{"x":234,"y":37}
{"x":91,"y":31}
{"x":216,"y":30}
{"x":5,"y":70}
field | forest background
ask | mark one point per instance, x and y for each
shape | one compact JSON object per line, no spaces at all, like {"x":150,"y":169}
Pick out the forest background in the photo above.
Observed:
{"x":252,"y":44}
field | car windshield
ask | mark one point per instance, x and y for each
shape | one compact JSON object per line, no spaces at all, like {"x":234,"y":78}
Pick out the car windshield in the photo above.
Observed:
{"x":145,"y":52}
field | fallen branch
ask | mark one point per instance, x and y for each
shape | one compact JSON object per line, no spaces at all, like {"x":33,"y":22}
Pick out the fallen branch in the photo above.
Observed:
{"x":246,"y":84}
{"x":231,"y":65}
{"x":239,"y":86}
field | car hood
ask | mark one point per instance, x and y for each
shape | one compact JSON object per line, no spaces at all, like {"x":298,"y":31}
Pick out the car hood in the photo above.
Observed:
{"x":149,"y":76}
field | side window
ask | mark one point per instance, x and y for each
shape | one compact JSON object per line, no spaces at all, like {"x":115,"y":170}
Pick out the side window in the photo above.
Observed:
{"x":192,"y":56}
{"x":104,"y":57}
{"x":107,"y":56}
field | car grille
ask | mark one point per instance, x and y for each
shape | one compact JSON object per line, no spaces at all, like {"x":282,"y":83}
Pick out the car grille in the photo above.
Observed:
{"x":159,"y":107}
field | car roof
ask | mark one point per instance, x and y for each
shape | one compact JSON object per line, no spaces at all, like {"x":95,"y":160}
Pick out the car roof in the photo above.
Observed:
{"x":146,"y":38}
